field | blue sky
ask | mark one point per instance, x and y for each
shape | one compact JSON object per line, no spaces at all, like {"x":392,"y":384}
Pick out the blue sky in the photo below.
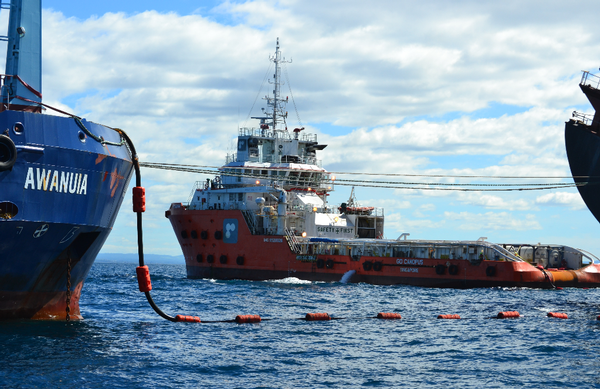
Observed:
{"x":86,"y":9}
{"x":473,"y":88}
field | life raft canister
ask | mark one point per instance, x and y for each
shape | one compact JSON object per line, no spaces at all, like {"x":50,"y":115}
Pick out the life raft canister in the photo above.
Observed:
{"x":8,"y":153}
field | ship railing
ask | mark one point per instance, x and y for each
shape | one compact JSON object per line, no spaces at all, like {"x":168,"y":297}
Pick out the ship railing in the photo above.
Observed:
{"x":475,"y":251}
{"x":589,"y":79}
{"x":321,"y":182}
{"x":583,"y":118}
{"x":278,"y":134}
{"x":197,"y":185}
{"x":274,"y":159}
{"x":336,"y":209}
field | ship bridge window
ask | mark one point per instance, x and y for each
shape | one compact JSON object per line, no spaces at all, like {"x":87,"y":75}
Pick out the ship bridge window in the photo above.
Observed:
{"x":240,"y":197}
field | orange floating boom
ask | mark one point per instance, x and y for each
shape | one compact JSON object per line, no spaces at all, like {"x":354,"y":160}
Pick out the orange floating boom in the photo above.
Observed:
{"x":188,"y":319}
{"x":453,"y":316}
{"x":388,"y":315}
{"x":508,"y":315}
{"x":317,"y":316}
{"x":247,"y":319}
{"x":558,"y":315}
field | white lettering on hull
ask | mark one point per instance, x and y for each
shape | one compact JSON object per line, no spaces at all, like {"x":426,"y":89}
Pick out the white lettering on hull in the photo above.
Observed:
{"x":409,"y":261}
{"x":273,"y":240}
{"x":409,"y":269}
{"x":57,"y":181}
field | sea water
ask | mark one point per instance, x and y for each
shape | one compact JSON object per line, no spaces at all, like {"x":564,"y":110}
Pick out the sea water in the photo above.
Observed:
{"x":122,"y":343}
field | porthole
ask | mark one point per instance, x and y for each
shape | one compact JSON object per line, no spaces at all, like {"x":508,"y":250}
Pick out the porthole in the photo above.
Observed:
{"x":82,"y":137}
{"x":18,"y":128}
{"x":8,"y":210}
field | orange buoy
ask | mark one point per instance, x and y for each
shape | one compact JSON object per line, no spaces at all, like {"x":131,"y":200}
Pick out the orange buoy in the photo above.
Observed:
{"x":139,"y":199}
{"x":143,"y":276}
{"x":187,"y":319}
{"x":388,"y":315}
{"x":453,"y":316}
{"x":508,"y":315}
{"x":317,"y":316}
{"x":247,"y":319}
{"x":558,"y":315}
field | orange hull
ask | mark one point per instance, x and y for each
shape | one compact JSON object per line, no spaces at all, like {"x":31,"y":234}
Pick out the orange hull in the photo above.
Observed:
{"x":263,"y":257}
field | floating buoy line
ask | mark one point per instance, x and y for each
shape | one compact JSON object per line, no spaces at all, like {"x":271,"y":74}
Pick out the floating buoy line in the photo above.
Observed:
{"x":411,"y":185}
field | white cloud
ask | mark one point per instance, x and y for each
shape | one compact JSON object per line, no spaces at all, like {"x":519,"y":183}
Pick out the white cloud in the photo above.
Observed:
{"x":568,"y":199}
{"x":494,"y":201}
{"x":492,"y":221}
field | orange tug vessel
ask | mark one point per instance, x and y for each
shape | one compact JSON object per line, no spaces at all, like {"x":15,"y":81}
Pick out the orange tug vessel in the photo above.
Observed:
{"x":266,"y":216}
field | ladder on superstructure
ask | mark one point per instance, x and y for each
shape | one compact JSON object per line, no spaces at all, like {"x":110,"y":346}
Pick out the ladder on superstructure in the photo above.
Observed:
{"x":292,"y":241}
{"x":250,"y":220}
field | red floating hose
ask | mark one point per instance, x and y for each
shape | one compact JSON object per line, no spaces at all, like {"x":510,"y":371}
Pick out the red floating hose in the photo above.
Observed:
{"x":558,"y":315}
{"x":453,"y":316}
{"x":247,"y":319}
{"x":317,"y":316}
{"x":143,"y":276}
{"x":388,"y":315}
{"x":508,"y":315}
{"x":139,"y":199}
{"x":187,"y":319}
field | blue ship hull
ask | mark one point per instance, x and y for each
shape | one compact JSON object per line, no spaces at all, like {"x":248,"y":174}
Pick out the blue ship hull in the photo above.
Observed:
{"x":58,"y":204}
